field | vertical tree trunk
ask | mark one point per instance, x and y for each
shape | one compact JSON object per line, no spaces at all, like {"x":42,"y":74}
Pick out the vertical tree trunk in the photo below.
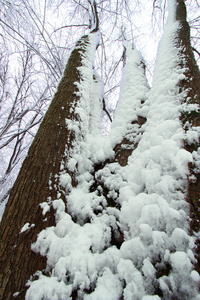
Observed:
{"x":190,"y":118}
{"x":138,"y":220}
{"x":36,"y":182}
{"x":131,"y":115}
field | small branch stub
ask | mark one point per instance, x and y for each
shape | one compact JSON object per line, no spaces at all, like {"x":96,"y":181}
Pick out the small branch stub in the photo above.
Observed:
{"x":93,"y":20}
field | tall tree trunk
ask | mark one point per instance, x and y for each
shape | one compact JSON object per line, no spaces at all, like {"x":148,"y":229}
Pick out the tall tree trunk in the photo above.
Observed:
{"x":37,"y":181}
{"x":125,"y":230}
{"x":126,"y":129}
{"x":190,"y":117}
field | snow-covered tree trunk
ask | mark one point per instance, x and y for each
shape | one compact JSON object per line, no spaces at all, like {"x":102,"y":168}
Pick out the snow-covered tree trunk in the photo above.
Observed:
{"x":132,"y":108}
{"x":110,"y":219}
{"x":189,"y":88}
{"x":29,"y":208}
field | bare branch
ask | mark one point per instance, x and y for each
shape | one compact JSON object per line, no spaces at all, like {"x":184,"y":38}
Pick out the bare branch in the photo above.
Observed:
{"x":105,"y":109}
{"x":194,"y":49}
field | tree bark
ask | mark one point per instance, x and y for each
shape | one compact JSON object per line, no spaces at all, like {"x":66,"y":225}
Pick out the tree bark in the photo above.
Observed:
{"x":32,"y":187}
{"x":191,"y":85}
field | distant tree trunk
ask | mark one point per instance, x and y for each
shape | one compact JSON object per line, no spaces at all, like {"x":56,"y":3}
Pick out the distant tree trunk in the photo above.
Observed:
{"x":36,"y":182}
{"x":132,"y":128}
{"x":190,"y":85}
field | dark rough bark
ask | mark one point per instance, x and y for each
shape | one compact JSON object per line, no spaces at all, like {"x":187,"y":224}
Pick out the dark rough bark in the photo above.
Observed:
{"x":31,"y":188}
{"x":191,"y":84}
{"x":125,"y":148}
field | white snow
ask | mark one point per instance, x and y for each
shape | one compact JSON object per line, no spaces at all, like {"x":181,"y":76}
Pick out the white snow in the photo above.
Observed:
{"x":45,"y":207}
{"x":150,"y":214}
{"x":26,"y":227}
{"x":133,"y":100}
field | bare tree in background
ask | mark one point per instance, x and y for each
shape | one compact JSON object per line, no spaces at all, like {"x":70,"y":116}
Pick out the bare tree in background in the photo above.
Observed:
{"x":30,"y":70}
